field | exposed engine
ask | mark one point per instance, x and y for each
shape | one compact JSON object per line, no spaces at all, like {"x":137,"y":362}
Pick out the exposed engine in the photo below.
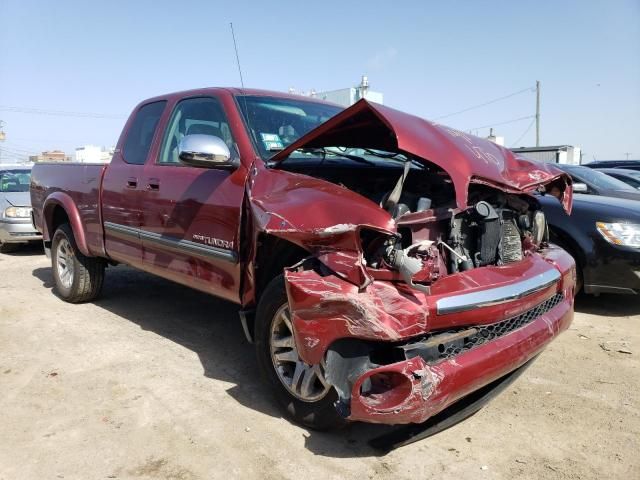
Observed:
{"x":497,"y":229}
{"x":493,"y":235}
{"x":435,"y":238}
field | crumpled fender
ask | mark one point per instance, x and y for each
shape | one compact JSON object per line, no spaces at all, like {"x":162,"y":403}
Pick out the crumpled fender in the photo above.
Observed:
{"x":311,"y":211}
{"x":327,"y":308}
{"x":323,"y":218}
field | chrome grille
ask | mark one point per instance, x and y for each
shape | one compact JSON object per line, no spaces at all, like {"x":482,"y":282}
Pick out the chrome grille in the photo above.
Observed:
{"x":450,"y":343}
{"x":486,"y":333}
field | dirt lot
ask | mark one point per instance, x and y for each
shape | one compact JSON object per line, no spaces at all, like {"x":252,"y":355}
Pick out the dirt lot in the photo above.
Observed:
{"x":156,"y":381}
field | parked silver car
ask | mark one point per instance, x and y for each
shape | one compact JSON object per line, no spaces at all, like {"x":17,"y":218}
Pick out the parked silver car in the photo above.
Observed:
{"x":15,"y":208}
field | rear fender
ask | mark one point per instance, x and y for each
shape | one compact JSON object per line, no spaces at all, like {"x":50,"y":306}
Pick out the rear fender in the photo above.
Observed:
{"x":66,"y":202}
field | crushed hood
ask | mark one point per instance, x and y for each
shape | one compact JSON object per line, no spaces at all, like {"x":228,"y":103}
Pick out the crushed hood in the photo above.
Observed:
{"x":466,"y":158}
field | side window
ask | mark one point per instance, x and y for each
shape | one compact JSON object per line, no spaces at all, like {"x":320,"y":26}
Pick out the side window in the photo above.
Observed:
{"x":202,"y":115}
{"x":140,"y":136}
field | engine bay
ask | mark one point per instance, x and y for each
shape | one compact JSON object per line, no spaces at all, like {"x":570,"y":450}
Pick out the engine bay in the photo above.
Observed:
{"x":435,"y":238}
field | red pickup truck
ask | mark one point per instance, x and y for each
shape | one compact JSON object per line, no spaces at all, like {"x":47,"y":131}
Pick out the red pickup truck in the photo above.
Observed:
{"x":387,"y":267}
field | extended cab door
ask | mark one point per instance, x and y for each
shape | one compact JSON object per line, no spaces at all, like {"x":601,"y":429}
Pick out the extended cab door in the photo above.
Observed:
{"x":191,"y":215}
{"x":122,"y":185}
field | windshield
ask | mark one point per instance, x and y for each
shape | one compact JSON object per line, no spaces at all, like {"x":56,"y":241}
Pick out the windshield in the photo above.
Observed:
{"x":14,"y":180}
{"x":276,"y":122}
{"x":595,"y":178}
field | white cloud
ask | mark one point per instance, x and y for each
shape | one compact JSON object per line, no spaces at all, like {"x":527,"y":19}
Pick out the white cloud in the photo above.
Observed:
{"x":382,"y":58}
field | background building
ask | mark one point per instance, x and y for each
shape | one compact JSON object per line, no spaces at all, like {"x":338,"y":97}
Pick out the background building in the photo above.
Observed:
{"x":495,"y":139}
{"x":93,"y":154}
{"x":553,"y":154}
{"x":50,"y":156}
{"x":348,"y":96}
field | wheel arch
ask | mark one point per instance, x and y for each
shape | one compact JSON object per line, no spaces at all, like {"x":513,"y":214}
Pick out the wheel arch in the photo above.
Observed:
{"x":60,"y":208}
{"x":569,"y":243}
{"x":272,"y":255}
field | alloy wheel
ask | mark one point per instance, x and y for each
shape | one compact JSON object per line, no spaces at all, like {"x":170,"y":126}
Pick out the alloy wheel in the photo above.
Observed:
{"x":64,"y":262}
{"x":303,"y":381}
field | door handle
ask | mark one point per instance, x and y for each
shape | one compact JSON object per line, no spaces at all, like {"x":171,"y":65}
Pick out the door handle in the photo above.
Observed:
{"x":153,"y":184}
{"x":132,"y":182}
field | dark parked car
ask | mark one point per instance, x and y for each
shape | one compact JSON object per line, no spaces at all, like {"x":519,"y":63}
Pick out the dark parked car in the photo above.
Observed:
{"x":594,"y":182}
{"x":627,"y":164}
{"x":603,"y":236}
{"x":630,"y":177}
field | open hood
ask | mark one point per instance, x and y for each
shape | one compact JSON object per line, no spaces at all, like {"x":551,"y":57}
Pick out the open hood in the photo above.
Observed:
{"x":466,"y":158}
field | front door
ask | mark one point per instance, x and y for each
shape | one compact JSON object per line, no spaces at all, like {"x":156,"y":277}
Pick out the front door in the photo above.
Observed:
{"x":191,"y":216}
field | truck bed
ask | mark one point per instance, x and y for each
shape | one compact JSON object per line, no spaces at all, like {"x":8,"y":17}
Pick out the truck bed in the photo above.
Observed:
{"x":76,"y":187}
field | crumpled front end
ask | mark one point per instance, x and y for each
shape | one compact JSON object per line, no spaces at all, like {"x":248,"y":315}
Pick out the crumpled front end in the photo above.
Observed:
{"x":398,"y":355}
{"x":427,"y":273}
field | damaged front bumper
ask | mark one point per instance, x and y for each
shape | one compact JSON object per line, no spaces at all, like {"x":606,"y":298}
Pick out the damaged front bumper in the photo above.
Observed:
{"x":397,"y":356}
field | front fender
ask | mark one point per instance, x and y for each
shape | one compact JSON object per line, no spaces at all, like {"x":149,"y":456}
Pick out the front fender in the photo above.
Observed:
{"x":322,"y":218}
{"x":64,"y":201}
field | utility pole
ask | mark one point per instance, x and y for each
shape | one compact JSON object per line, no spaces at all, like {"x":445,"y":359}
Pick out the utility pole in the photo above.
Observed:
{"x":627,"y":154}
{"x":2,"y":137}
{"x":537,"y":113}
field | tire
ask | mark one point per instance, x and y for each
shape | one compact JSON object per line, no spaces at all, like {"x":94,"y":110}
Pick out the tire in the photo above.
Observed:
{"x":77,"y":278}
{"x":8,"y":247}
{"x":312,"y":406}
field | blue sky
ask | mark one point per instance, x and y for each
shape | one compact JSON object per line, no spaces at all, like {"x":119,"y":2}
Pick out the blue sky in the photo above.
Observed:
{"x":428,"y":58}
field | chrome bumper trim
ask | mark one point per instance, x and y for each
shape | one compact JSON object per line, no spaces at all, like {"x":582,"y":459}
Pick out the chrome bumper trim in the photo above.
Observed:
{"x":498,"y":295}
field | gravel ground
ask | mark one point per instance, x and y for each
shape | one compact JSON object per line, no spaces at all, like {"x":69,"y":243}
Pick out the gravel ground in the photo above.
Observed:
{"x":156,"y":381}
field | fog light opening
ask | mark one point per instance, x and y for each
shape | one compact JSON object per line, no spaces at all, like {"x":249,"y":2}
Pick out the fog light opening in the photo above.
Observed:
{"x":385,"y":390}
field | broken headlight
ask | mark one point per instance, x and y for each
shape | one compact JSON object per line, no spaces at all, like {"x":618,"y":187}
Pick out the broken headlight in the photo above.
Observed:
{"x":539,"y":227}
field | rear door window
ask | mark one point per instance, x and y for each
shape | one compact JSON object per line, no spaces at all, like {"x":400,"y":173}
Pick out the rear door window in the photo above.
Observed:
{"x":140,"y":136}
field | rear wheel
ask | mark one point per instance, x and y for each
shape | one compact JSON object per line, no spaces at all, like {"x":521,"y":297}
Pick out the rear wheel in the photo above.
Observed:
{"x":77,"y":278}
{"x":300,"y":388}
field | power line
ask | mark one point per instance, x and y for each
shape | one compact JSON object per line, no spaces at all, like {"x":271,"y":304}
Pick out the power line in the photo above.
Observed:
{"x":501,"y":123}
{"x":528,"y":89}
{"x":525,"y":132}
{"x":14,"y":148}
{"x":60,"y":113}
{"x":14,"y":152}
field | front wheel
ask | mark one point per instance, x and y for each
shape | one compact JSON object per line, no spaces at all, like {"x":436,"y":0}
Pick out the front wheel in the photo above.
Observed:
{"x":300,"y":388}
{"x":77,"y":278}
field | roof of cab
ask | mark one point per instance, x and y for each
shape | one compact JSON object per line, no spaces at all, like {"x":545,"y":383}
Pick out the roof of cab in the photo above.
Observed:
{"x":231,"y":91}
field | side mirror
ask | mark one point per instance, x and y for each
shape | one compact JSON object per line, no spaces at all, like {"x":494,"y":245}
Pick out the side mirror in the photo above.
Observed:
{"x":205,"y":151}
{"x":580,"y":188}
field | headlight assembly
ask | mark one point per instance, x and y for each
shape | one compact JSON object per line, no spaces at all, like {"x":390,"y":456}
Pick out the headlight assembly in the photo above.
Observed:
{"x":539,"y":228}
{"x":626,"y":234}
{"x":17,"y":212}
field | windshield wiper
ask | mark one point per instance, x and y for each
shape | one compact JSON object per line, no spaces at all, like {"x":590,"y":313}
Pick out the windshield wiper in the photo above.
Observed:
{"x":397,"y":157}
{"x":325,"y":153}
